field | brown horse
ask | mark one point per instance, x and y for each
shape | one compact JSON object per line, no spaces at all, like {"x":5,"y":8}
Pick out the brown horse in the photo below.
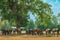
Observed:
{"x":34,"y":32}
{"x":38,"y":31}
{"x":48,"y":32}
{"x":55,"y":31}
{"x":18,"y":30}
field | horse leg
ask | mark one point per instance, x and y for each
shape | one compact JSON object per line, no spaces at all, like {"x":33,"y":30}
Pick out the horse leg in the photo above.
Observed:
{"x":49,"y":33}
{"x":41,"y":33}
{"x":53,"y":33}
{"x":46,"y":33}
{"x":32,"y":32}
{"x":4,"y":32}
{"x":38,"y":33}
{"x":57,"y":34}
{"x":7,"y":32}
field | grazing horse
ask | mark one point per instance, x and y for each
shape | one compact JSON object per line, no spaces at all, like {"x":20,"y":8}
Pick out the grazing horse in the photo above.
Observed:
{"x":48,"y":32}
{"x":55,"y":31}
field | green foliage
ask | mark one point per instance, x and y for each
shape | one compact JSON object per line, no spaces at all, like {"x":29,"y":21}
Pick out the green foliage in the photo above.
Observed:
{"x":31,"y":25}
{"x":17,"y":11}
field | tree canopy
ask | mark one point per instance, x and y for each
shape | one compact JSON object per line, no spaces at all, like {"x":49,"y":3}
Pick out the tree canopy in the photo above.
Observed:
{"x":16,"y":11}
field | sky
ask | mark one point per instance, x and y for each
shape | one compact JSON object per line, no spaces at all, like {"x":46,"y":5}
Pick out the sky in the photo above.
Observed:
{"x":32,"y":17}
{"x":55,"y":5}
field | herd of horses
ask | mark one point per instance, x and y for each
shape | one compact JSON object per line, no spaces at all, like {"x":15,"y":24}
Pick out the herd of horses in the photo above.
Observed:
{"x":47,"y":32}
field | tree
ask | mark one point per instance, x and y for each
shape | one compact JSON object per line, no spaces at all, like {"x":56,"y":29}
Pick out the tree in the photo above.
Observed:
{"x":55,"y":20}
{"x":44,"y":16}
{"x":44,"y":19}
{"x":17,"y":10}
{"x":58,"y":18}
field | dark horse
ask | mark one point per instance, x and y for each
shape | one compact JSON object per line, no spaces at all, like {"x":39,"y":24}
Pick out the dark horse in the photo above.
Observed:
{"x":55,"y":31}
{"x":30,"y":31}
{"x":6,"y":32}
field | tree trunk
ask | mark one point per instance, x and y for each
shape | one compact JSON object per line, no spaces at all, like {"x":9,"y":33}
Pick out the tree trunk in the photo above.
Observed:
{"x":18,"y":22}
{"x":18,"y":25}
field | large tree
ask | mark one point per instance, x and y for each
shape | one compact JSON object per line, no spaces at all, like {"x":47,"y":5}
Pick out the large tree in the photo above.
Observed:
{"x":17,"y":10}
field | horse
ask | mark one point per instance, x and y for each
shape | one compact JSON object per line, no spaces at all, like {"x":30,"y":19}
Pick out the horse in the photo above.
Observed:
{"x":48,"y":32}
{"x":34,"y":32}
{"x":27,"y":31}
{"x":38,"y":31}
{"x":30,"y":31}
{"x":55,"y":31}
{"x":18,"y":31}
{"x":5,"y":32}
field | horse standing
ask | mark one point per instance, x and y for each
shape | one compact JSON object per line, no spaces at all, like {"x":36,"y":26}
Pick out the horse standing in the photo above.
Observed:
{"x":48,"y":32}
{"x":38,"y":31}
{"x":55,"y":31}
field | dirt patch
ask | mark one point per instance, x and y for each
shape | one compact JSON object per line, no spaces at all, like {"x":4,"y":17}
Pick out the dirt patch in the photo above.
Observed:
{"x":28,"y":38}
